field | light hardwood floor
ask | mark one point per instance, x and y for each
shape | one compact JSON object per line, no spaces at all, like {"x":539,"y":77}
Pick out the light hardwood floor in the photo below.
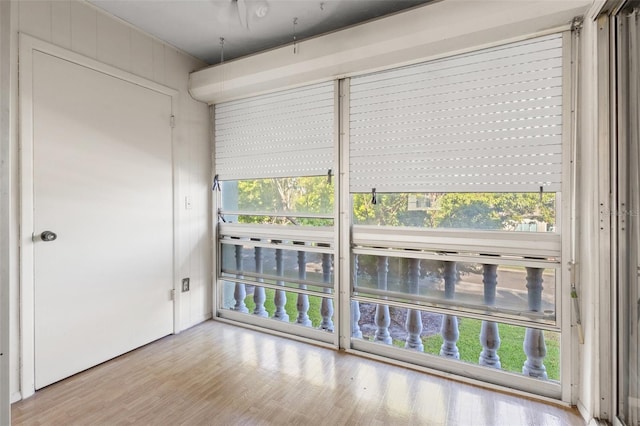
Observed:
{"x":220,"y":374}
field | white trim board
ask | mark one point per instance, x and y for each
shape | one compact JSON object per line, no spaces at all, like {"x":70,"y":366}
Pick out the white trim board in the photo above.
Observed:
{"x":27,"y":46}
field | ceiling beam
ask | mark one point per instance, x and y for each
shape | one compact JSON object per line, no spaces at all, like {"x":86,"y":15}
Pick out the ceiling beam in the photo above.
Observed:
{"x":435,"y":30}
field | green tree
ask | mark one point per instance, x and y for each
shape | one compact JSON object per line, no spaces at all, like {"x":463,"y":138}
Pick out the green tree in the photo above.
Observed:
{"x":517,"y":207}
{"x":492,"y":210}
{"x":458,"y":210}
{"x":390,"y":210}
{"x":284,"y":197}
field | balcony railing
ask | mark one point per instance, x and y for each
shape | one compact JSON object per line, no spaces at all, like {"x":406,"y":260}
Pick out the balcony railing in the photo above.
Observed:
{"x":392,"y":278}
{"x":412,"y":335}
{"x":284,"y":264}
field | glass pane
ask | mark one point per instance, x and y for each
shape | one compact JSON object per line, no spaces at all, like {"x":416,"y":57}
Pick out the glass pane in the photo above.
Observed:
{"x":429,"y":328}
{"x":282,"y":305}
{"x":317,"y":267}
{"x":512,"y":288}
{"x":522,"y":212}
{"x":628,"y":308}
{"x":282,"y":197}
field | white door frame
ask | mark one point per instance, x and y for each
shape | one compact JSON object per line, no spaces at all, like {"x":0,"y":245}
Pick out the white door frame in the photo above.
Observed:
{"x":29,"y":45}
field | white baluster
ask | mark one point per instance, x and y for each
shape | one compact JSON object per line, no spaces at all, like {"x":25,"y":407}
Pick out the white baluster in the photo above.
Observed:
{"x":449,"y":327}
{"x":355,"y":305}
{"x":534,"y":345}
{"x":382,"y":318}
{"x":326,"y":307}
{"x":302,"y":303}
{"x":414,"y":316}
{"x":258,"y":292}
{"x":489,"y":336}
{"x":355,"y":319}
{"x":280,"y":298}
{"x":240,"y":292}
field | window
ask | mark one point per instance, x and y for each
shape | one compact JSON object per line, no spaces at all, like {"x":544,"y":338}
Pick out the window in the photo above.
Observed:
{"x":455,"y":177}
{"x":458,"y":210}
{"x":451,"y":212}
{"x":274,"y":158}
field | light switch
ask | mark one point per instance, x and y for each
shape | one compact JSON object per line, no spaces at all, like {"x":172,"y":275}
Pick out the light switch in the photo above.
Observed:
{"x":187,"y":202}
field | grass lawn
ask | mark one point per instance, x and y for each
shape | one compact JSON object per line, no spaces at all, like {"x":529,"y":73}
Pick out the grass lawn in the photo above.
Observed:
{"x":290,"y":306}
{"x":511,"y":354}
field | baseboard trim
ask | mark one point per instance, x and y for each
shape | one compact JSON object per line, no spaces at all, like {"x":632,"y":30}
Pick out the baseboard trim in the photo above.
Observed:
{"x":199,"y":320}
{"x":588,"y":418}
{"x":16,"y":396}
{"x":583,"y":411}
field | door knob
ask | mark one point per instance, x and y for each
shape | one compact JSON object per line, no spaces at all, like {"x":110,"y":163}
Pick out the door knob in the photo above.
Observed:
{"x":48,"y":236}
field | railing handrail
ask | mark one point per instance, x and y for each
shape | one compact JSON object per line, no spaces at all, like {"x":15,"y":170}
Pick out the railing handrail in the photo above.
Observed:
{"x":502,"y":243}
{"x":314,"y":234}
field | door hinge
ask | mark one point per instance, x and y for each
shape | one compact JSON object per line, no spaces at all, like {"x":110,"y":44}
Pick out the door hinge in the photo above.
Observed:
{"x":172,"y":294}
{"x":172,"y":121}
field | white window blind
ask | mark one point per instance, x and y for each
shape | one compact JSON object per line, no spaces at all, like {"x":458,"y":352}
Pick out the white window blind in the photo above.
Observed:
{"x":487,"y":121}
{"x":284,"y":134}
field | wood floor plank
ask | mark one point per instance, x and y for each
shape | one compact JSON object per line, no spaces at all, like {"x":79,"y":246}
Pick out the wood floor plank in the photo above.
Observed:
{"x":219,"y":374}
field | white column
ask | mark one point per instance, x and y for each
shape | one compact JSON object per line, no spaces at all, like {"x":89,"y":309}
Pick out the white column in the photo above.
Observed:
{"x":382,"y":318}
{"x":326,"y":307}
{"x":533,"y":345}
{"x":414,"y":316}
{"x":303,"y":300}
{"x":240,"y":291}
{"x":355,"y":305}
{"x":449,"y":327}
{"x":258,"y":292}
{"x":280,"y":298}
{"x":489,"y":336}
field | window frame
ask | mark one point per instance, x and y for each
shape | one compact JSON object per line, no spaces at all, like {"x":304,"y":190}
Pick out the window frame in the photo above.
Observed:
{"x":563,"y":234}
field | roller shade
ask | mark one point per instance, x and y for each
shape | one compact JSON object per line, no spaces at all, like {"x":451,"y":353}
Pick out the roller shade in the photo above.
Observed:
{"x":284,"y":134}
{"x":487,"y":121}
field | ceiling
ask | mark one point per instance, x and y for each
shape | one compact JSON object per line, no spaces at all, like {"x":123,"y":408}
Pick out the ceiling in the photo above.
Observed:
{"x":247,"y":26}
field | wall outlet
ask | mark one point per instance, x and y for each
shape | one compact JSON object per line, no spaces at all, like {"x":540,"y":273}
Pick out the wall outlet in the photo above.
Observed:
{"x":185,"y":284}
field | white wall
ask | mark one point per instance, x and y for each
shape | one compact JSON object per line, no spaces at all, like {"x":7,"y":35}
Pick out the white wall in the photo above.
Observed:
{"x":5,"y":19}
{"x":78,"y":26}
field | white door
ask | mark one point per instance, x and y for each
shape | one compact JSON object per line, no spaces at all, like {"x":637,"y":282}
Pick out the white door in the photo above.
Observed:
{"x":103,"y":184}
